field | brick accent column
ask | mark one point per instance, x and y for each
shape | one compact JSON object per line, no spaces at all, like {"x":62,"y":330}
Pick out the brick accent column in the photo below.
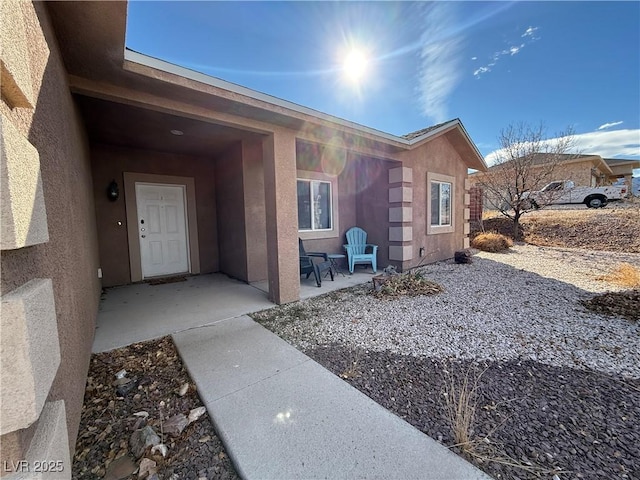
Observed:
{"x":467,"y":212}
{"x":476,"y":205}
{"x":401,"y":215}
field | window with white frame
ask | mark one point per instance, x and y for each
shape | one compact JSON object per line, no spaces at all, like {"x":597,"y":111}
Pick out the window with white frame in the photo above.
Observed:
{"x":440,"y":194}
{"x":440,"y":204}
{"x":315,"y":211}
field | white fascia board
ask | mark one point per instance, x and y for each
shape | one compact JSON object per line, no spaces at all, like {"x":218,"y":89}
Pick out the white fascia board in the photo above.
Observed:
{"x":157,"y":64}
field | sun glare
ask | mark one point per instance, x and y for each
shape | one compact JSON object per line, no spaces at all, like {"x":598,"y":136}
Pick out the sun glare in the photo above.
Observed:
{"x":355,"y":65}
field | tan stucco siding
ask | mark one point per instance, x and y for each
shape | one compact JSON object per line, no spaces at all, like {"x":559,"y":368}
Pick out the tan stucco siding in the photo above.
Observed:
{"x":232,"y":240}
{"x":109,"y":163}
{"x":70,"y":256}
{"x":372,"y":203}
{"x":346,"y":171}
{"x":255,"y":211}
{"x":438,"y":157}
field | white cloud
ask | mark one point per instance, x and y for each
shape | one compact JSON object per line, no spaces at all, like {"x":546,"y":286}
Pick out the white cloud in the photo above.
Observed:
{"x":609,"y":125}
{"x":511,"y":51}
{"x":439,"y":71}
{"x":514,"y":50}
{"x":610,"y":144}
{"x":481,"y":70}
{"x":474,"y":58}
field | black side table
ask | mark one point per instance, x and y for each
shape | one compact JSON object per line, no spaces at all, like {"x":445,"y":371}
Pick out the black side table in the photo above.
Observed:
{"x":334,"y":258}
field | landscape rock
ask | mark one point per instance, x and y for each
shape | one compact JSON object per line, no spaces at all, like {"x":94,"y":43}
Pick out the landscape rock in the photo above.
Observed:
{"x":142,"y":439}
{"x":175,"y":424}
{"x":463,"y":256}
{"x":160,"y":448}
{"x":183,"y":389}
{"x":195,"y":414}
{"x":147,"y":468}
{"x":120,"y":468}
{"x":126,"y":388}
{"x":106,"y":424}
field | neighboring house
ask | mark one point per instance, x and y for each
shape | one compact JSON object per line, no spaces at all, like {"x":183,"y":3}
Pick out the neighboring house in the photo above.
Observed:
{"x":621,"y":170}
{"x":584,"y":169}
{"x":120,"y":166}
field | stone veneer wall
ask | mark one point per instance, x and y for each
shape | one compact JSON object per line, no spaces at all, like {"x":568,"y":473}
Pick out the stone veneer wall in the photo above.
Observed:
{"x":49,"y":287}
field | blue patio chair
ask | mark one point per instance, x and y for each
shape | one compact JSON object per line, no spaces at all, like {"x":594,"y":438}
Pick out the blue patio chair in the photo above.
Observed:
{"x":308,"y":266}
{"x":356,"y":248}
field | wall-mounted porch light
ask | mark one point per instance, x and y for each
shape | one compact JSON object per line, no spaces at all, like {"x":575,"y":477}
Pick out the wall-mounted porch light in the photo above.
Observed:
{"x":112,"y":191}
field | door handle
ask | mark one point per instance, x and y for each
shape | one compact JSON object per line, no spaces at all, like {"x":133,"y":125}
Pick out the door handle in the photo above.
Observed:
{"x":144,"y":236}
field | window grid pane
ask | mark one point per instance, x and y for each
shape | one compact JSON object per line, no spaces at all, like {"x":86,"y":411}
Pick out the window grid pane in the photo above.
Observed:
{"x":314,"y":205}
{"x":304,"y":205}
{"x":435,"y":203}
{"x":440,"y":204}
{"x":445,"y":207}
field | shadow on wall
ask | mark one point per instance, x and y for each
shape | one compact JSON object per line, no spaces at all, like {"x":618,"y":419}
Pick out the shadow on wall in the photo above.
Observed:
{"x":70,"y":257}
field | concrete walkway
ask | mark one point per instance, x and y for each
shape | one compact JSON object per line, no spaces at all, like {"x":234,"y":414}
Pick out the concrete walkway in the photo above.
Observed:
{"x":283,"y":416}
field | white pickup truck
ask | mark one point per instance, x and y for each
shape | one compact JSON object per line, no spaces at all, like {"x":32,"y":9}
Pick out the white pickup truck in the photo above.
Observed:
{"x":559,"y":192}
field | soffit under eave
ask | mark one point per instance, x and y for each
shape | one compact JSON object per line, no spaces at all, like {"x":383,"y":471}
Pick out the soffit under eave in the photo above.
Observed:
{"x":602,"y":165}
{"x":318,"y":128}
{"x":467,"y":150}
{"x":90,"y":35}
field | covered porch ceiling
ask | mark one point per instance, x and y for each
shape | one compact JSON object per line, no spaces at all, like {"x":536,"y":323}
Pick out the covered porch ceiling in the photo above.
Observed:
{"x":123,"y":125}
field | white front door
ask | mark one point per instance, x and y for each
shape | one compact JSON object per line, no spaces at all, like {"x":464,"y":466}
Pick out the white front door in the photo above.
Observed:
{"x":162,"y":229}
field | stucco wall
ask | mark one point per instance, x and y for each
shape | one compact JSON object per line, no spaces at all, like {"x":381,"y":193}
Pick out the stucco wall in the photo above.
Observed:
{"x":231,"y":218}
{"x":109,"y":163}
{"x":372,"y":203}
{"x":70,"y":257}
{"x":347,"y":193}
{"x":255,"y":211}
{"x":437,"y":156}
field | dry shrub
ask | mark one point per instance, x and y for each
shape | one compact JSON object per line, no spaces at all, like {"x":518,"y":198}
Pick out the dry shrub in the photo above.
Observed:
{"x":492,"y":242}
{"x":501,"y":224}
{"x":460,"y":402}
{"x":625,"y":275}
{"x":407,"y":284}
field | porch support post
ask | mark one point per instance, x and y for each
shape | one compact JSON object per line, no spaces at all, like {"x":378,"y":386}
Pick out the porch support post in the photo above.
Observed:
{"x":279,"y":150}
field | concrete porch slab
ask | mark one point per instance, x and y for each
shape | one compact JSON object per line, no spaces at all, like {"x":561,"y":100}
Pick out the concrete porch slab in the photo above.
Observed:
{"x":309,"y":289}
{"x":285,"y":416}
{"x":134,"y":313}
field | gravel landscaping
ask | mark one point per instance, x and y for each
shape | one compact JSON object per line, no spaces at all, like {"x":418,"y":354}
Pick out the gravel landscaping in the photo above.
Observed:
{"x":560,"y":392}
{"x":142,"y":418}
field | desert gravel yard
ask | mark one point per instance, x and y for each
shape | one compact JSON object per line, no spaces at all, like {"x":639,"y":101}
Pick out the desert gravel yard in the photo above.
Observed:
{"x":558,"y":386}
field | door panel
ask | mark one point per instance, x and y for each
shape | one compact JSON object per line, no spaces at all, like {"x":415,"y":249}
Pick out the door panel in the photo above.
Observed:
{"x":171,"y":216}
{"x":153,"y":219}
{"x":162,"y":229}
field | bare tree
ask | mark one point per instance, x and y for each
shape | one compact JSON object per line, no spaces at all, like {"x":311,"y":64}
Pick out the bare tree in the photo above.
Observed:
{"x":526,"y":161}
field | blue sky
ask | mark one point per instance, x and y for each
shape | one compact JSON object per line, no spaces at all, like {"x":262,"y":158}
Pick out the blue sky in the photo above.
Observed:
{"x":488,"y":63}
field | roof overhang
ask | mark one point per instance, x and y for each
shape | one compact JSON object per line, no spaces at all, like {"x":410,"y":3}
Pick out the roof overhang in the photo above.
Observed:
{"x":622,"y":166}
{"x":91,"y":36}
